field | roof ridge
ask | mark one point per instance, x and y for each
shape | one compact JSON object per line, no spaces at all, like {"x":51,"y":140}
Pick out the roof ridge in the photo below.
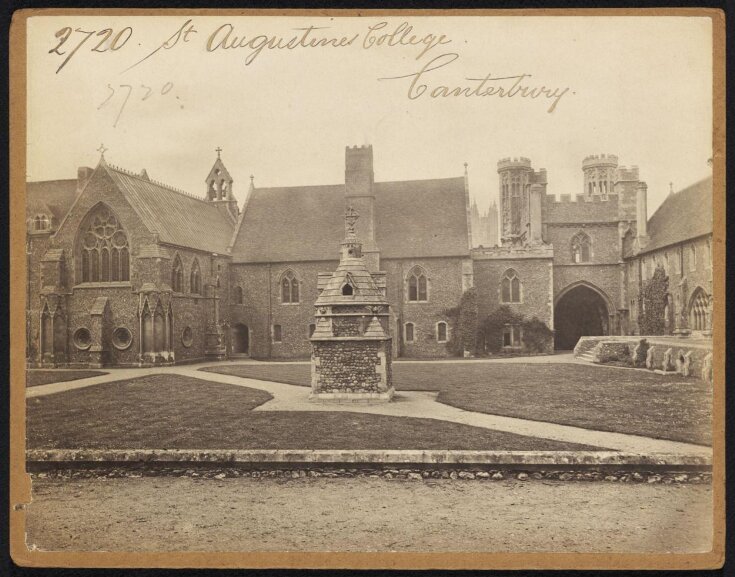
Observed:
{"x":157,"y":183}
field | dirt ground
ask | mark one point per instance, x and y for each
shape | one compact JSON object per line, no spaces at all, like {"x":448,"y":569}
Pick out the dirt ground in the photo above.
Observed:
{"x":366,"y":514}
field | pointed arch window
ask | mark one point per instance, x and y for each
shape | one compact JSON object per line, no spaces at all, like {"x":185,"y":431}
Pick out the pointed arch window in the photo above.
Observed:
{"x":408,"y":332}
{"x":510,"y":287}
{"x":699,"y":311}
{"x":417,"y":286}
{"x":441,"y":332}
{"x":581,"y":247}
{"x":104,"y":248}
{"x":40,"y":222}
{"x":289,"y":288}
{"x":195,"y":278}
{"x":177,"y":276}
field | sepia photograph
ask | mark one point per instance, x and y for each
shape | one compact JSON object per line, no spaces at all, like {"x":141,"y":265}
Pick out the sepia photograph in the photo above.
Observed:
{"x":381,"y":289}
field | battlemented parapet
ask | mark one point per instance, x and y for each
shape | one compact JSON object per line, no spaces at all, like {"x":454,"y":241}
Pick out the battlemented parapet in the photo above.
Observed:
{"x":519,"y":162}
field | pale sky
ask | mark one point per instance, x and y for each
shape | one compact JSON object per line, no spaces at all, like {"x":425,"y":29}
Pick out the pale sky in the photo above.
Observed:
{"x":638,"y":87}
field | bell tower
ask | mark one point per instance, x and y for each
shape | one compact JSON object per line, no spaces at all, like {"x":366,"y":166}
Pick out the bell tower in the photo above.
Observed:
{"x":219,"y":186}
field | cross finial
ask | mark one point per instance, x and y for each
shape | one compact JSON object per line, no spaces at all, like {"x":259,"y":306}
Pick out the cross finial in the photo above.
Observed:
{"x":218,"y":150}
{"x":102,"y":150}
{"x":351,"y":217}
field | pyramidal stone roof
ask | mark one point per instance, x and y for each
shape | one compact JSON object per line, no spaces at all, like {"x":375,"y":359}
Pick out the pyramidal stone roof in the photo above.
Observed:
{"x":352,"y":272}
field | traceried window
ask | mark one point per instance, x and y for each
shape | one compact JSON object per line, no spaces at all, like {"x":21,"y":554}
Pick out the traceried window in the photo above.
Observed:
{"x":195,"y":278}
{"x":105,"y":255}
{"x":510,"y":287}
{"x":408,"y":332}
{"x":581,"y":246}
{"x":417,"y":286}
{"x":289,"y":288}
{"x":177,"y":276}
{"x":441,"y":332}
{"x":40,"y":222}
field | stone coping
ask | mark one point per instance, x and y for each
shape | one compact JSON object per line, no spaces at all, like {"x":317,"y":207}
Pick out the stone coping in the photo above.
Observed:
{"x":664,"y":340}
{"x":365,"y":456}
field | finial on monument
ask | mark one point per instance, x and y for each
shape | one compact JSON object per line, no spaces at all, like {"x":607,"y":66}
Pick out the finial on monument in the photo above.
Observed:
{"x":102,"y":151}
{"x":351,"y":217}
{"x":218,"y":150}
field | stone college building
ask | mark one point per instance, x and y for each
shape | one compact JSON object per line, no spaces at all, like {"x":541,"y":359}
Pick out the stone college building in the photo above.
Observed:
{"x":127,"y":271}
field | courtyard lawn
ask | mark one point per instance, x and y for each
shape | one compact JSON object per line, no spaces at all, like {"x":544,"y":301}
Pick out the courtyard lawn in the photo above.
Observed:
{"x":35,"y":377}
{"x":589,"y":396}
{"x":177,"y":412}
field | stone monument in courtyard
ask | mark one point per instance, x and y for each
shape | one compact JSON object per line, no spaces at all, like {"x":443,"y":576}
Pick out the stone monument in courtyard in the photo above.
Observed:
{"x":351,"y":345}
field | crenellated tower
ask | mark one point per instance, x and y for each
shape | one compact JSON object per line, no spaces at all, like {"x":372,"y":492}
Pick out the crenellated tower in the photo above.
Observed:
{"x":600,"y":174}
{"x":521,"y":193}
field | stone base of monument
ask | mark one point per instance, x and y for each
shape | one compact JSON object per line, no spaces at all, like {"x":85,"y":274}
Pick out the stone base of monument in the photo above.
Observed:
{"x":347,"y":397}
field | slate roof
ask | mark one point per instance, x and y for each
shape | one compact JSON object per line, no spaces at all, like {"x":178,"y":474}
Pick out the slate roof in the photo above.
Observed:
{"x":684,"y":215}
{"x":50,"y":197}
{"x":179,"y":218}
{"x":413,"y":219}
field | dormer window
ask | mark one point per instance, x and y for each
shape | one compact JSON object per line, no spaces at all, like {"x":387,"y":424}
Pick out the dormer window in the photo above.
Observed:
{"x":40,"y":222}
{"x":347,"y":290}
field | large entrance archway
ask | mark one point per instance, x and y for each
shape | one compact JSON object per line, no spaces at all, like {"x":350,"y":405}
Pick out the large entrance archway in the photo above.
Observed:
{"x":240,"y":338}
{"x":579,"y":311}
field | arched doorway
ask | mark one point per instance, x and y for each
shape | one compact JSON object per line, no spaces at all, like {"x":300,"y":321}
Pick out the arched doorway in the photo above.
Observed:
{"x":579,"y":311}
{"x":240,"y":336}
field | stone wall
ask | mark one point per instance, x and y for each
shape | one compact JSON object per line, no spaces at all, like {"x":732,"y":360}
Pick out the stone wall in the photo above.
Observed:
{"x":536,"y":287}
{"x":348,"y":366}
{"x":685,"y":276}
{"x":262,"y":308}
{"x":444,"y":279}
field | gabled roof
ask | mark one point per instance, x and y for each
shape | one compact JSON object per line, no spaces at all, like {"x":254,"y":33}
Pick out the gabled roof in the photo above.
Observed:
{"x":684,"y":215}
{"x":50,"y":197}
{"x":179,"y":218}
{"x":413,"y":219}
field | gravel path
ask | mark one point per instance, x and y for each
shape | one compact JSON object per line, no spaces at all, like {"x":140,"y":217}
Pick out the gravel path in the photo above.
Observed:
{"x":366,"y":514}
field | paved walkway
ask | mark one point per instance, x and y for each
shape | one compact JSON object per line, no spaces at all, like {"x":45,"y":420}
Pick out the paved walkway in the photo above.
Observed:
{"x":419,"y":404}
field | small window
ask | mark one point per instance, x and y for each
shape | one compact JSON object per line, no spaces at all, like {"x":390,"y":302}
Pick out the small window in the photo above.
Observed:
{"x":238,"y":295}
{"x":347,"y":290}
{"x":441,"y":332}
{"x":512,"y":336}
{"x":417,"y":286}
{"x":312,"y":328}
{"x":510,"y":288}
{"x":277,"y":336}
{"x":408,"y":332}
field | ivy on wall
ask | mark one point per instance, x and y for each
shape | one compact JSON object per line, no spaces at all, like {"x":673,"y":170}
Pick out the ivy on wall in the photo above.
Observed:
{"x":494,"y":325}
{"x":463,"y":319}
{"x":652,"y":303}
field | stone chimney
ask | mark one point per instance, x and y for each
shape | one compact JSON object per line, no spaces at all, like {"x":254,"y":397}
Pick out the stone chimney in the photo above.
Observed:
{"x":360,"y":196}
{"x":83,"y":174}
